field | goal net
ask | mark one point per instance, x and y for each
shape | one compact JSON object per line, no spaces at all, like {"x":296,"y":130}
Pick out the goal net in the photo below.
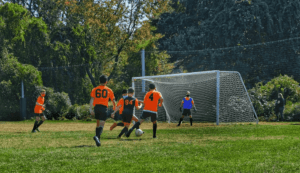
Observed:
{"x":219,"y":96}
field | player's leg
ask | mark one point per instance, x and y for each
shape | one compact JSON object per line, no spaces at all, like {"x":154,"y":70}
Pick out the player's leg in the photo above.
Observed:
{"x":153,"y":120}
{"x":134,"y":118}
{"x":137,"y":124}
{"x":181,"y":118}
{"x":37,"y":119}
{"x":127,"y":120}
{"x":100,"y":115}
{"x":281,"y":113}
{"x":117,"y":118}
{"x":190,"y":115}
{"x":40,"y":123}
{"x":277,"y":116}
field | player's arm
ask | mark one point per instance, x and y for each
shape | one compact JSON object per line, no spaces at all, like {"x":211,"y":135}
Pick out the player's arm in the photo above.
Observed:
{"x":194,"y":105}
{"x":39,"y":104}
{"x":117,"y":108}
{"x":138,"y":104}
{"x":91,"y":106}
{"x":161,"y":100}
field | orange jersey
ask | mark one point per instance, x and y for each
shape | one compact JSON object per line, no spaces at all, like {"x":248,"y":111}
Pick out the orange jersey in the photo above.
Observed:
{"x":39,"y":109}
{"x":101,"y":95}
{"x":120,"y":103}
{"x":151,"y":101}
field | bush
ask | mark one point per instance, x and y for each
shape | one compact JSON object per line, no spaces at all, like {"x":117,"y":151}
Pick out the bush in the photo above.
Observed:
{"x":264,"y":96}
{"x":57,"y":103}
{"x":79,"y":112}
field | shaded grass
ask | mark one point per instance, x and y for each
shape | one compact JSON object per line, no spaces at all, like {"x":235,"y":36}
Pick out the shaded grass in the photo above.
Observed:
{"x":69,"y":147}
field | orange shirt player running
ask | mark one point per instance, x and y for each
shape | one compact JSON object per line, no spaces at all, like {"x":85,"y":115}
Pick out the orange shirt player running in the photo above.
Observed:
{"x":100,"y":96}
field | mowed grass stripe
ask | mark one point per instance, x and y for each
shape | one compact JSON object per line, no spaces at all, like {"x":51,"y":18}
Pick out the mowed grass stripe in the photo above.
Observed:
{"x":229,"y":148}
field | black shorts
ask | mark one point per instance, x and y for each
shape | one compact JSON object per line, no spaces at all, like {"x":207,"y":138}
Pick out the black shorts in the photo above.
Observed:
{"x":100,"y":112}
{"x":39,"y":115}
{"x":149,"y":114}
{"x":118,"y":117}
{"x":186,"y":112}
{"x":127,"y":118}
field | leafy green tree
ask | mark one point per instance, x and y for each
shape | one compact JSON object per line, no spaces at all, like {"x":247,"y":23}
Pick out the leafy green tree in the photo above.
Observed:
{"x":12,"y":73}
{"x":213,"y":24}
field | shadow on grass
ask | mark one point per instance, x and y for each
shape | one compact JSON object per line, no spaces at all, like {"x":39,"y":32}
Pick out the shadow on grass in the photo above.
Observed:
{"x":130,"y":139}
{"x":84,"y":146}
{"x":295,"y":124}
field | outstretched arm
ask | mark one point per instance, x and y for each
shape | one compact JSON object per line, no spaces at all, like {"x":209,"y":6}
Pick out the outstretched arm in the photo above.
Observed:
{"x":91,"y":106}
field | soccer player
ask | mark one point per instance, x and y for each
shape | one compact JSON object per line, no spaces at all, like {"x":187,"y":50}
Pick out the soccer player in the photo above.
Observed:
{"x":118,"y":117}
{"x":100,"y":96}
{"x":128,"y":105}
{"x":187,"y":103}
{"x":38,"y":110}
{"x":150,"y":109}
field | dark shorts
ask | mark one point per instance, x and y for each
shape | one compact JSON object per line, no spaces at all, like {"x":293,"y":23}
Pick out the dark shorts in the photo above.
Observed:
{"x":39,"y":115}
{"x":100,"y":112}
{"x":149,"y":114}
{"x":127,"y":118}
{"x":186,"y":112}
{"x":118,"y":117}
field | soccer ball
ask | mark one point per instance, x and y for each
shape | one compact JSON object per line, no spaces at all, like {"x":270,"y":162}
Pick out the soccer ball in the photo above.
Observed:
{"x":139,"y":132}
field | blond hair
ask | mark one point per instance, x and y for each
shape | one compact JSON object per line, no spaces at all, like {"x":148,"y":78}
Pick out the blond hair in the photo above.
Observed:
{"x":281,"y":95}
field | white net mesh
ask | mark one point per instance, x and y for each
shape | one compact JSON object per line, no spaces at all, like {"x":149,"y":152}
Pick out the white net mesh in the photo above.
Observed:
{"x":234,"y":103}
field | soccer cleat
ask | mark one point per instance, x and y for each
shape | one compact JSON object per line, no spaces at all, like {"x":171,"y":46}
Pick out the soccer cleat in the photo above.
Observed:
{"x":96,"y":139}
{"x":33,"y":131}
{"x":113,"y":126}
{"x":37,"y":129}
{"x":154,"y":137}
{"x":178,"y":125}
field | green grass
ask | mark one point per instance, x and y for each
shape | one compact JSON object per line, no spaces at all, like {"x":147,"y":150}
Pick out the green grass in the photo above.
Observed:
{"x":228,"y":148}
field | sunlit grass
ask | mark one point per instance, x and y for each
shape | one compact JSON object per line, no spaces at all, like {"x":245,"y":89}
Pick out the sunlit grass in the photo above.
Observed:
{"x":204,"y":147}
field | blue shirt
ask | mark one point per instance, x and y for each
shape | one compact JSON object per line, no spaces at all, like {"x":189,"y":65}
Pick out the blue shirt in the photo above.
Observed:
{"x":187,"y":104}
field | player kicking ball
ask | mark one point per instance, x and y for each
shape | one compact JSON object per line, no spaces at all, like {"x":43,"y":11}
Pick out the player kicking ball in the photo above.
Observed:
{"x":128,"y":105}
{"x":38,"y":110}
{"x":119,"y":116}
{"x":187,"y":103}
{"x":100,"y":96}
{"x":150,"y":109}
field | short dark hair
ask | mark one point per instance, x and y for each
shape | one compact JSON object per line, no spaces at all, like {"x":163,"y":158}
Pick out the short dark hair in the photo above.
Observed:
{"x":130,"y":90}
{"x":152,"y":86}
{"x":124,"y":92}
{"x":103,"y":79}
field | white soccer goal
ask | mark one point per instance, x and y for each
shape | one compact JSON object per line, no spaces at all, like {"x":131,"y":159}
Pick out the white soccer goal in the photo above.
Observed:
{"x":220,"y":96}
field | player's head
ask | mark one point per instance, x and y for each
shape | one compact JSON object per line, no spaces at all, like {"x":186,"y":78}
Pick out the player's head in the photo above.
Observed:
{"x":130,"y":92}
{"x":280,"y":95}
{"x":43,"y":93}
{"x":188,"y":93}
{"x":124,"y":93}
{"x":151,"y":86}
{"x":103,"y":79}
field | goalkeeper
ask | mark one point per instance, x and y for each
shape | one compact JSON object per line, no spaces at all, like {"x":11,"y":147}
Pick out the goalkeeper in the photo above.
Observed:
{"x":187,"y":103}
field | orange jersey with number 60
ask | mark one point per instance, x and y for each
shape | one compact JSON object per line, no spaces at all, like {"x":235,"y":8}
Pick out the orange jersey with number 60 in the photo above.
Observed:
{"x":151,"y":101}
{"x":101,"y":95}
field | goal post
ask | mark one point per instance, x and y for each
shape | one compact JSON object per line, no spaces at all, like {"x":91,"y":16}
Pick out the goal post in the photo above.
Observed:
{"x":220,"y":96}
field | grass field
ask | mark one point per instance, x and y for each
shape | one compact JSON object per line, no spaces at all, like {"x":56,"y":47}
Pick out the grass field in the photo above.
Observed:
{"x":205,"y":147}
